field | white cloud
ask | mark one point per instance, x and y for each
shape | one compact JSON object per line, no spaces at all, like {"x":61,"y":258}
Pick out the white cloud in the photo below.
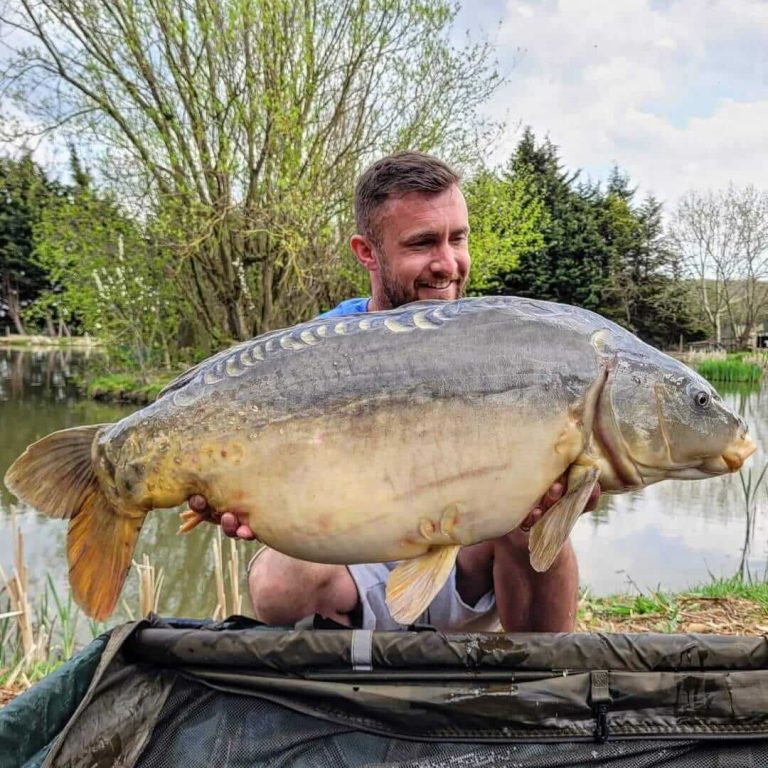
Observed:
{"x":729,"y":145}
{"x":673,"y":91}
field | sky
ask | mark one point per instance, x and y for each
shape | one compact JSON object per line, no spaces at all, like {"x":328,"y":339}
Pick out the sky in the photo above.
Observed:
{"x":675,"y":92}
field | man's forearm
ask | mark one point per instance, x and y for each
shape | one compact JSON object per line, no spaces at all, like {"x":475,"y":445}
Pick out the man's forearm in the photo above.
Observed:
{"x":529,"y":601}
{"x":474,"y":572}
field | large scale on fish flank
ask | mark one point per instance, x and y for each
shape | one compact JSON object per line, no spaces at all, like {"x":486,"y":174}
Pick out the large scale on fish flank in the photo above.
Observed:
{"x":388,"y":436}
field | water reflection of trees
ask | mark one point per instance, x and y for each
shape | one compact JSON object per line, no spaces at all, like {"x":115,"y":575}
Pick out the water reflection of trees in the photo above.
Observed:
{"x":38,"y":395}
{"x":751,"y":486}
{"x":39,"y":373}
{"x":738,"y":395}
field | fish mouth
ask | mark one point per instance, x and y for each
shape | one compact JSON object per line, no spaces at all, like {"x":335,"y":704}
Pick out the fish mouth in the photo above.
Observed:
{"x":730,"y":460}
{"x":738,"y":452}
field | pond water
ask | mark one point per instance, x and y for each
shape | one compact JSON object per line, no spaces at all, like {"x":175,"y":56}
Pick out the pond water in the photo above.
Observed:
{"x":672,"y":535}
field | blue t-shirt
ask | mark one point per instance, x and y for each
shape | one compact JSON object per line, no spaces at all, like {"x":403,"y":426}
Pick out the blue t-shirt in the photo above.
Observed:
{"x":347,"y":307}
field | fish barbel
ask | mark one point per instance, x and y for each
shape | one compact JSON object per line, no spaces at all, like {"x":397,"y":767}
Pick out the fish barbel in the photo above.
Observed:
{"x":397,"y":435}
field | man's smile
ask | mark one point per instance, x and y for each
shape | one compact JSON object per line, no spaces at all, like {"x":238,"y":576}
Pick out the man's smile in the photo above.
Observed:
{"x":440,"y":285}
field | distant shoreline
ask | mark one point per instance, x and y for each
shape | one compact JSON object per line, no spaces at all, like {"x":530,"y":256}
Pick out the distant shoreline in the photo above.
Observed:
{"x":16,"y":341}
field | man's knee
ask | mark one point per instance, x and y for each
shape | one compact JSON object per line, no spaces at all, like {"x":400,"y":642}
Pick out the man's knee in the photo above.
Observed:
{"x":264,"y":586}
{"x":284,"y":590}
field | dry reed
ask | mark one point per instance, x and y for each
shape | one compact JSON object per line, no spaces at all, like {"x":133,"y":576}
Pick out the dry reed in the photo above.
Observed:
{"x":150,"y":585}
{"x":224,"y":606}
{"x":31,"y":647}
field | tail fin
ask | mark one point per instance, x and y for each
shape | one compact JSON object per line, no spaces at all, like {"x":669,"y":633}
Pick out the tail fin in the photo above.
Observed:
{"x":55,"y":475}
{"x":100,"y":546}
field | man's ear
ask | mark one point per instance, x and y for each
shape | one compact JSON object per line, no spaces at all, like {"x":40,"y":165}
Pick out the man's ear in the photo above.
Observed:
{"x":363,"y":250}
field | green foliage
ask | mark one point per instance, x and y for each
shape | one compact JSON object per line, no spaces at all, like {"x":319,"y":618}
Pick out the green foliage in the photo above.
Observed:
{"x":662,"y":608}
{"x":573,"y":266}
{"x":238,"y":129}
{"x":635,"y":605}
{"x":560,"y":239}
{"x":757,"y":591}
{"x":645,"y":292}
{"x":54,"y":628}
{"x":506,"y":221}
{"x":732,"y":369}
{"x":24,"y":193}
{"x":112,"y":276}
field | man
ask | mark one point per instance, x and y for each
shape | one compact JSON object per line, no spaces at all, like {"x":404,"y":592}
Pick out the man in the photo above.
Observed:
{"x":412,"y":238}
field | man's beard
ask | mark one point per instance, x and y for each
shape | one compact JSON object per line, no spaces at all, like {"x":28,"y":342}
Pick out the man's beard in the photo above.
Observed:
{"x":396,"y":293}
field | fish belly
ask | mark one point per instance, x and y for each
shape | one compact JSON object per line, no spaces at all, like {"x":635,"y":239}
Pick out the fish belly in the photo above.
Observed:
{"x":371,"y":485}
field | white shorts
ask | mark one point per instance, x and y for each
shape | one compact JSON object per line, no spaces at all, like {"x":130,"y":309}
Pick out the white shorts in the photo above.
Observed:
{"x":447,"y":611}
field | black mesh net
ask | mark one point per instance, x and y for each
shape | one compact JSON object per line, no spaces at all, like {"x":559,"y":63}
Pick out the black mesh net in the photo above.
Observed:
{"x":204,"y":728}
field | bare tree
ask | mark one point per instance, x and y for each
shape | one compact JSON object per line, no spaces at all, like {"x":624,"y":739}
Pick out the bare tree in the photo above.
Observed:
{"x":748,"y":303}
{"x":722,"y":239}
{"x":242,"y":124}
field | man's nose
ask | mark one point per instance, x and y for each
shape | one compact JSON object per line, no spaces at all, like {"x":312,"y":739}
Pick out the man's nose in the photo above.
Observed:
{"x":443,"y":259}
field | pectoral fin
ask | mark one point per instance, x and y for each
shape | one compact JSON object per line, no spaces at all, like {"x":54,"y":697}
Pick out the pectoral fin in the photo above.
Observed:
{"x":413,"y":585}
{"x":552,"y":531}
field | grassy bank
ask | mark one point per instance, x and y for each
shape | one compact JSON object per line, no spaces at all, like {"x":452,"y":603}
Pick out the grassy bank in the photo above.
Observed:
{"x":128,"y":387}
{"x":725,"y":606}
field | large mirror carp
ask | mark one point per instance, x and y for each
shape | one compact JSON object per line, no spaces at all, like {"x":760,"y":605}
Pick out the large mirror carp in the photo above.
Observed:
{"x":398,"y":435}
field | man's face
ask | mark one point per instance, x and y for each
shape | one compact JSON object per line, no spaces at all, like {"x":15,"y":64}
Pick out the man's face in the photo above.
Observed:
{"x":424,"y":251}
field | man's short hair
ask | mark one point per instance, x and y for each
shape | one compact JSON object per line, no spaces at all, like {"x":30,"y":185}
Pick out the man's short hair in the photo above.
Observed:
{"x":394,"y":176}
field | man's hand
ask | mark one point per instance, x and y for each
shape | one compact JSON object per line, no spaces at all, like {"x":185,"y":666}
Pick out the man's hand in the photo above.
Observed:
{"x":551,"y":497}
{"x":199,"y":511}
{"x":233,"y":528}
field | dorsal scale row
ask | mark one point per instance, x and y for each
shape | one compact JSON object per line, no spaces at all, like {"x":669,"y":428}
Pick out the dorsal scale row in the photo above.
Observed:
{"x":424,"y":315}
{"x":238,"y":360}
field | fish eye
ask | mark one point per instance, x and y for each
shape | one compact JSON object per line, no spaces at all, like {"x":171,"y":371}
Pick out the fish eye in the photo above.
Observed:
{"x":702,"y":399}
